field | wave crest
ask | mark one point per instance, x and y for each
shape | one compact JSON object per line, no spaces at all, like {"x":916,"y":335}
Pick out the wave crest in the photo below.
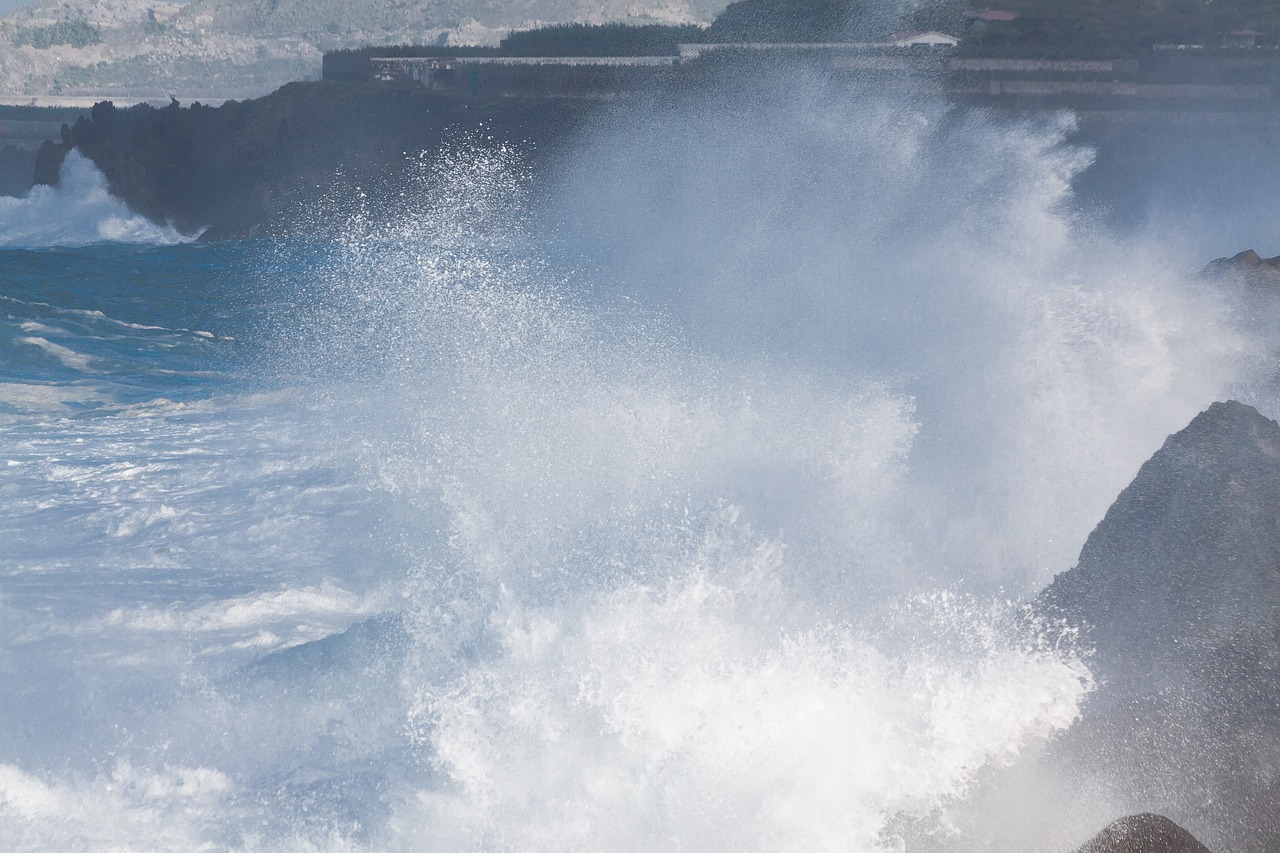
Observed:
{"x":79,"y":211}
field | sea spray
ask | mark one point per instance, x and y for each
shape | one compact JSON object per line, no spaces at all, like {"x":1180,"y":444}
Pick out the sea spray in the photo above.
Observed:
{"x":77,"y":211}
{"x":588,"y":463}
{"x":596,"y":671}
{"x":808,"y":223}
{"x":676,"y":530}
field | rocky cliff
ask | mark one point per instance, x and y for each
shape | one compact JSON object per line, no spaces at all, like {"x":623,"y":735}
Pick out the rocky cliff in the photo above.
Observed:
{"x":261,"y":166}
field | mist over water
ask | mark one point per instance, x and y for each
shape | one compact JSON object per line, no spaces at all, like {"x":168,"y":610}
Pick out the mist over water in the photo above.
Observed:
{"x":680,"y":498}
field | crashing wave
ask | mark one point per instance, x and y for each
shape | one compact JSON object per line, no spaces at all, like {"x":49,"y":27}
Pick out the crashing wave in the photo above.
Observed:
{"x":79,"y":211}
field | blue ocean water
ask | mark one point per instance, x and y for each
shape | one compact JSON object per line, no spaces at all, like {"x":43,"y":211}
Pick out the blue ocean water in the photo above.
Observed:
{"x":699,"y":520}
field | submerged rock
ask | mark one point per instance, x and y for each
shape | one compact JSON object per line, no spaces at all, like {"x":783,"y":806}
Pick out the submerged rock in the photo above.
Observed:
{"x":1178,"y":593}
{"x":1144,"y":833}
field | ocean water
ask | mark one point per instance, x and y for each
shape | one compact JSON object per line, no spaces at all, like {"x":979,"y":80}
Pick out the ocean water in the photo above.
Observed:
{"x":683,"y":499}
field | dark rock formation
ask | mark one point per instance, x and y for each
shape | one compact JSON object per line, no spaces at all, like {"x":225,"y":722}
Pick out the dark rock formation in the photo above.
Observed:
{"x":1178,"y":591}
{"x":1248,"y":263}
{"x":1186,"y":562}
{"x":16,"y":167}
{"x":260,"y":166}
{"x":1143,"y":833}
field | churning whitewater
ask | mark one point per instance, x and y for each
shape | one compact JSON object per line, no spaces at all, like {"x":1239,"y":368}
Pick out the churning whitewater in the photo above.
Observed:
{"x":558,"y":512}
{"x":79,"y":211}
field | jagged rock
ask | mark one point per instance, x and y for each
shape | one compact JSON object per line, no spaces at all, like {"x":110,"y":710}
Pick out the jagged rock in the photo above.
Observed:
{"x":1185,"y":563}
{"x":1248,"y":263}
{"x":1143,"y":833}
{"x":1178,"y":593}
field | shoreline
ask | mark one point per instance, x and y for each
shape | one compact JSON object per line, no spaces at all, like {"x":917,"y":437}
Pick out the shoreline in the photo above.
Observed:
{"x":85,"y":102}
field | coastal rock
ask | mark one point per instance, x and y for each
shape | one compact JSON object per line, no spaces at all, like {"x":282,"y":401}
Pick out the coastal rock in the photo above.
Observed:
{"x":274,"y":164}
{"x":1143,"y":833}
{"x":1177,"y":591}
{"x":16,"y":166}
{"x":1184,"y":565}
{"x":1248,"y":263}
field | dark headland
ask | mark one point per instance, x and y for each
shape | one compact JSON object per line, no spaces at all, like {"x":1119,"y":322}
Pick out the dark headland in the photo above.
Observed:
{"x":261,"y":166}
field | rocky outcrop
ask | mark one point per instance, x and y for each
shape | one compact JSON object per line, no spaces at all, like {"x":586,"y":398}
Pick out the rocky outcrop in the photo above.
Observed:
{"x":16,"y":167}
{"x":262,"y":166}
{"x":1247,"y":263}
{"x":1185,"y":563}
{"x":1178,"y":593}
{"x":1143,"y":833}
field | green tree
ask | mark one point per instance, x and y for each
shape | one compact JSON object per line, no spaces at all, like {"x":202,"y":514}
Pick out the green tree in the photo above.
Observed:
{"x":74,"y":33}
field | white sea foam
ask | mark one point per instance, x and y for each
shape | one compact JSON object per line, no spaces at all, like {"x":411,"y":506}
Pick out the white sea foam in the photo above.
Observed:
{"x":681,"y":708}
{"x":64,"y":354}
{"x":78,"y":211}
{"x":674,"y":559}
{"x":134,"y":810}
{"x":305,"y":614}
{"x":43,"y":397}
{"x":680,"y":538}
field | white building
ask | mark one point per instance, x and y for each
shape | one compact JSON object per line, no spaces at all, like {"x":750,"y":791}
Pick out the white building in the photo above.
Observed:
{"x":924,"y":38}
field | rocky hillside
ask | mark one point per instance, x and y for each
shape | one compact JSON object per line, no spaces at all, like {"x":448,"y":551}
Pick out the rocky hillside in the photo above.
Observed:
{"x":131,"y":49}
{"x":217,"y":49}
{"x":327,"y":19}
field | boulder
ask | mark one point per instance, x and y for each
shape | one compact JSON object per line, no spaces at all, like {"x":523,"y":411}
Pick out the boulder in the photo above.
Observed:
{"x":1143,"y":833}
{"x":1247,"y":263}
{"x":1185,"y":565}
{"x":1177,"y":592}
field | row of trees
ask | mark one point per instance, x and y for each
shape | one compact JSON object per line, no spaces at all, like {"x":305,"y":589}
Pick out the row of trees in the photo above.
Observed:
{"x":602,"y":40}
{"x":1043,"y":27}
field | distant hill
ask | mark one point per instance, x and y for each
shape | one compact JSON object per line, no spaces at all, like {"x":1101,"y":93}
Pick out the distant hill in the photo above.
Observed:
{"x":135,"y":49}
{"x":335,"y":18}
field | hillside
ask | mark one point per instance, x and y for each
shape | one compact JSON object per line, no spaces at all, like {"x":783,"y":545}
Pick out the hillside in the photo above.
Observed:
{"x":329,"y":19}
{"x":215,"y":49}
